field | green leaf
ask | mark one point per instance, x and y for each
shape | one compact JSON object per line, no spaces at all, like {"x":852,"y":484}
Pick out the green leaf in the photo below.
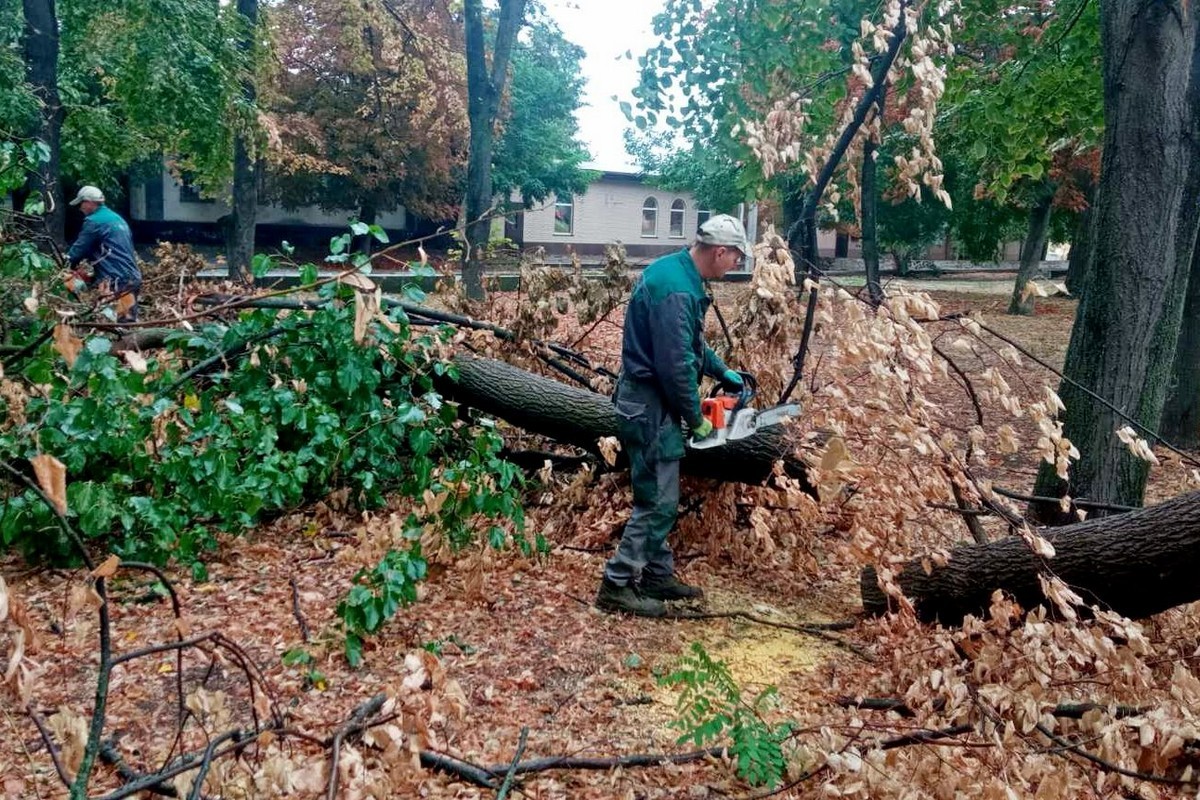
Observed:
{"x":260,"y":265}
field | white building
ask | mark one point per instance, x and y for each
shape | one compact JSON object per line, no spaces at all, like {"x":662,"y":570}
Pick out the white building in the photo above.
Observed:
{"x":618,"y":207}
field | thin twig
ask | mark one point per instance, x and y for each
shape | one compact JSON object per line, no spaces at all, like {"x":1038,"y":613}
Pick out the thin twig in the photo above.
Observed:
{"x":296,"y":610}
{"x":1079,"y":503}
{"x":111,"y":756}
{"x":508,"y":777}
{"x":206,"y":761}
{"x":576,"y":762}
{"x":51,"y":747}
{"x":469,"y":772}
{"x":1187,"y":458}
{"x":1107,"y":766}
{"x":353,"y":725}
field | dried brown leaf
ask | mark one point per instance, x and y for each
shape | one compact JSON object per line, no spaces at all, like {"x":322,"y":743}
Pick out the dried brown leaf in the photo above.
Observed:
{"x":52,"y":477}
{"x":108,"y":568}
{"x":67,"y":343}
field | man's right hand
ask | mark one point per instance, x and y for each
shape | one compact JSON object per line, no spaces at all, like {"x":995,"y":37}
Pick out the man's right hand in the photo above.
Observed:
{"x":703,"y":430}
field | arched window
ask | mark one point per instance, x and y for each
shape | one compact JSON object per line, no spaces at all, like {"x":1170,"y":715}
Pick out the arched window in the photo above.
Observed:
{"x":650,"y":217}
{"x":677,"y":219}
{"x":702,"y":215}
{"x":564,"y":215}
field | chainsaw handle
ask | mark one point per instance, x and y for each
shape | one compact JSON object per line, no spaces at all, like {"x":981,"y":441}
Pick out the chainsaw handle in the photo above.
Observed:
{"x":749,"y":389}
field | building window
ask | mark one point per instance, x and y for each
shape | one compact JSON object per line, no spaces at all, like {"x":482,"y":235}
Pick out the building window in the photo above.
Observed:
{"x":564,"y":216}
{"x":650,"y":217}
{"x":677,"y":219}
{"x":702,"y":216}
{"x":190,"y":194}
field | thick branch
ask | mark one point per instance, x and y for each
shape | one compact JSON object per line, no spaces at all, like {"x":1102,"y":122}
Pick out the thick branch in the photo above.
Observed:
{"x":1137,"y":564}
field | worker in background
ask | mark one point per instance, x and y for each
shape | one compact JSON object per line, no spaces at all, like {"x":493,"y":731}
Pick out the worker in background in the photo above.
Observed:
{"x":663,"y":358}
{"x":106,"y":243}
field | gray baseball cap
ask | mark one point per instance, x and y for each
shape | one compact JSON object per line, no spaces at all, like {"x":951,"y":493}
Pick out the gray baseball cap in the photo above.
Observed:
{"x":726,"y":231}
{"x":90,"y":193}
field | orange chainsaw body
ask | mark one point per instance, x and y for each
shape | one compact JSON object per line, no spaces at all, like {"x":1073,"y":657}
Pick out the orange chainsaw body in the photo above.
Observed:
{"x":716,"y":409}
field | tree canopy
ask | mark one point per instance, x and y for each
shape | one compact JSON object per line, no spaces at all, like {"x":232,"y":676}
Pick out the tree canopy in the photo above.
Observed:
{"x":538,"y":153}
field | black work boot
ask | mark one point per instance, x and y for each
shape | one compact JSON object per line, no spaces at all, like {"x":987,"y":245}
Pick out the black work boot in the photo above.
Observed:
{"x":669,"y":588}
{"x":627,"y":600}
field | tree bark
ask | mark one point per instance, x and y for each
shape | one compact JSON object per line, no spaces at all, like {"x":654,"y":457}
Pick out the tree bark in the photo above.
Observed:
{"x":870,"y":227}
{"x":484,"y":91}
{"x":239,"y":247}
{"x":578,"y":417}
{"x":1181,"y":414}
{"x":1136,"y":564}
{"x":41,"y":70}
{"x":368,"y":213}
{"x":1081,"y":246}
{"x":1031,"y":251}
{"x":1127,"y":326}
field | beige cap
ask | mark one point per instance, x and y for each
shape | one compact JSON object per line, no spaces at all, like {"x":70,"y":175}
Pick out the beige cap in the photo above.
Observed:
{"x":724,"y":230}
{"x":90,"y":193}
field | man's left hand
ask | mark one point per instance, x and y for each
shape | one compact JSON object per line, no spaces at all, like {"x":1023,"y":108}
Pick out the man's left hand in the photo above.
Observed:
{"x":732,"y":380}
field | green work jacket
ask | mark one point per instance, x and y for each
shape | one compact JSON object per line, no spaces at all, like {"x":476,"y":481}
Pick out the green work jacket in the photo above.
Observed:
{"x":664,"y":345}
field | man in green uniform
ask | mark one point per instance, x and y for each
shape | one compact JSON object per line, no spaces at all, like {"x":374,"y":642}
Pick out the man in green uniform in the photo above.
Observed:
{"x":107,"y":244}
{"x":663,"y":358}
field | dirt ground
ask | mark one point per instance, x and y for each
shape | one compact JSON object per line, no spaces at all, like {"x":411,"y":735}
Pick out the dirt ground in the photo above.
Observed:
{"x":520,"y":644}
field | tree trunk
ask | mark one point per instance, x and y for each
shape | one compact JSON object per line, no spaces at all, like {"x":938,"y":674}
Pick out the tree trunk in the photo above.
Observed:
{"x":484,"y":91}
{"x":802,"y":234}
{"x":239,"y":244}
{"x":1081,"y":246}
{"x":1127,"y":326}
{"x":1031,"y":250}
{"x":1181,"y":414}
{"x":367,"y":214}
{"x":41,"y":70}
{"x":580,"y":418}
{"x":870,"y":229}
{"x":1137,"y":564}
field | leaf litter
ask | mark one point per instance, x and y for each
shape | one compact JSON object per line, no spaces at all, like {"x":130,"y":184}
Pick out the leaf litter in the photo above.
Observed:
{"x":498,"y":642}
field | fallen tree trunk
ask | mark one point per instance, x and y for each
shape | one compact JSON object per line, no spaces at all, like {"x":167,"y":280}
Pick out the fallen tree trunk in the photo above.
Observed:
{"x":578,"y":417}
{"x":1136,"y":564}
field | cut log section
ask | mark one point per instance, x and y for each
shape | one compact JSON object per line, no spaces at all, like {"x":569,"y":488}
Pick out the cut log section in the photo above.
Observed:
{"x":1136,"y":564}
{"x":578,"y":417}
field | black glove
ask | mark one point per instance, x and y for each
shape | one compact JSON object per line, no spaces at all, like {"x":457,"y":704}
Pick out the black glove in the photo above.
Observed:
{"x":731,"y":381}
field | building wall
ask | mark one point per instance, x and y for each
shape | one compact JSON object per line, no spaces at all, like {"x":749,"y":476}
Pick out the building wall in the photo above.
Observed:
{"x":611,"y":211}
{"x":180,"y":205}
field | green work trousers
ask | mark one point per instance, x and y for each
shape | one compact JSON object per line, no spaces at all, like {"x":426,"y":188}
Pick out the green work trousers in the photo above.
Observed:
{"x":653,"y":441}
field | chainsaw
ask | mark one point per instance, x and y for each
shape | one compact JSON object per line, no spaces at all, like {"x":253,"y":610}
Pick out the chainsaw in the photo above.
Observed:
{"x":733,"y":419}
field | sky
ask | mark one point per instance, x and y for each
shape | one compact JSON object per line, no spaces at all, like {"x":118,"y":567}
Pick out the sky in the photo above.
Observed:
{"x":605,"y":29}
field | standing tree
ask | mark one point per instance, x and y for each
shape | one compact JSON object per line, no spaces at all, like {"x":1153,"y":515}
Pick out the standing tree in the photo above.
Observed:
{"x":708,"y":171}
{"x":1025,"y":112}
{"x":41,"y":62}
{"x":537,"y":151}
{"x":239,"y":247}
{"x":1127,"y":325}
{"x":369,"y":109}
{"x":485,"y":87}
